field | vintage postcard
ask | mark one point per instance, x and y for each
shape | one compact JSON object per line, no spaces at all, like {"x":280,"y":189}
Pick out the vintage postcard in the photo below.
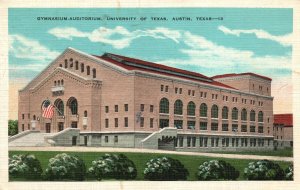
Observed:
{"x":139,"y":95}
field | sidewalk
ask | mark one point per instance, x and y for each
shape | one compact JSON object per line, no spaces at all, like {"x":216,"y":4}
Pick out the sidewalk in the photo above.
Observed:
{"x":109,"y":149}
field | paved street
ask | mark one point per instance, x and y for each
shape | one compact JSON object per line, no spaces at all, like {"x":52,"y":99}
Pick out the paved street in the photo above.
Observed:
{"x":108,"y":149}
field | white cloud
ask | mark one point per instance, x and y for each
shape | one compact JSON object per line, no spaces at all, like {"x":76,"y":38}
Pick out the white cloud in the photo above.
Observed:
{"x":25,"y":48}
{"x":118,"y":37}
{"x":285,"y":40}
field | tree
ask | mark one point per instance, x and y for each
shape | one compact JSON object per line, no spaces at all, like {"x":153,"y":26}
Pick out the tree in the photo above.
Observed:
{"x":12,"y":127}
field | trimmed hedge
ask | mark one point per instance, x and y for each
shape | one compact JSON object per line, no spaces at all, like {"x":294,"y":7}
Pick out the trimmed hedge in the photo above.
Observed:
{"x":263,"y":170}
{"x":65,"y":167}
{"x":25,"y":166}
{"x":113,"y":166}
{"x":217,"y":170}
{"x":165,"y":169}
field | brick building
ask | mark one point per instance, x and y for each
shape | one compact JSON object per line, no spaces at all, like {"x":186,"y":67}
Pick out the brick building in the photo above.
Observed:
{"x":283,"y":130}
{"x":116,"y":101}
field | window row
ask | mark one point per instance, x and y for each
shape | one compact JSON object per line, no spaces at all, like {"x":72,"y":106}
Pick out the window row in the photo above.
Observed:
{"x":191,"y":141}
{"x":116,"y":139}
{"x":191,"y":110}
{"x":59,"y":82}
{"x":141,"y":120}
{"x":71,"y":64}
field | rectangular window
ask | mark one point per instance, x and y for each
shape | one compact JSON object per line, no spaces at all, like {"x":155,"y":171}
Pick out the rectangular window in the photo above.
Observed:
{"x":126,"y":121}
{"x":106,"y":123}
{"x":151,"y":122}
{"x":205,"y":141}
{"x":142,"y":122}
{"x":180,"y":141}
{"x":201,"y":141}
{"x":151,"y":108}
{"x":193,"y":93}
{"x":214,"y":126}
{"x":243,"y":142}
{"x":180,"y":90}
{"x":212,"y":140}
{"x":29,"y":128}
{"x":237,"y":142}
{"x":188,"y":142}
{"x":201,"y":94}
{"x":116,"y":108}
{"x":193,"y":141}
{"x":161,"y":88}
{"x":233,"y":142}
{"x":216,"y":96}
{"x":142,"y":107}
{"x":28,"y":116}
{"x":246,"y":142}
{"x":224,"y":127}
{"x":167,"y":89}
{"x":244,"y":128}
{"x":116,"y":140}
{"x":176,"y":90}
{"x":106,"y":139}
{"x":189,"y":92}
{"x":203,"y":125}
{"x":116,"y":122}
{"x":205,"y":94}
{"x":260,"y":129}
{"x":223,"y":142}
{"x":217,"y":142}
{"x":252,"y":129}
{"x":23,"y":116}
{"x":191,"y":124}
{"x":106,"y":109}
{"x":125,"y":107}
{"x":235,"y":127}
{"x":178,"y":124}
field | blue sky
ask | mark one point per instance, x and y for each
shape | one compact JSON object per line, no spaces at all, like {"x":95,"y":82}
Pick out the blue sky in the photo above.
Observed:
{"x":246,"y":40}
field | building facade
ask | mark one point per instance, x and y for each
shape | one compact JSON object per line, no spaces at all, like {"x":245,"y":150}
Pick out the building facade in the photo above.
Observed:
{"x":116,"y":101}
{"x":283,"y":130}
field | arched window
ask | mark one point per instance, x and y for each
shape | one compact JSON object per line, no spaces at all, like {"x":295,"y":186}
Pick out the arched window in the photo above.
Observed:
{"x":85,"y":113}
{"x":58,"y":82}
{"x":203,"y":110}
{"x":260,"y":116}
{"x":88,"y":70}
{"x":62,"y":82}
{"x":225,"y":112}
{"x":45,"y":104}
{"x":214,"y":112}
{"x":76,"y":65}
{"x":235,"y":114}
{"x":94,"y":73}
{"x":252,"y":115}
{"x":66,"y":63}
{"x":82,"y":67}
{"x":244,"y":115}
{"x":55,"y":83}
{"x":191,"y":108}
{"x":34,"y":117}
{"x":59,"y":107}
{"x":164,"y":105}
{"x":178,"y":107}
{"x":73,"y":105}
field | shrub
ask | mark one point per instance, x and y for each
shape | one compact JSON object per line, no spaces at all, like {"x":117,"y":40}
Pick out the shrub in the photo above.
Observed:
{"x":65,"y":167}
{"x":217,"y":170}
{"x":112,"y":166}
{"x":25,"y":166}
{"x":165,"y":169}
{"x":12,"y":127}
{"x":263,"y":170}
{"x":289,"y":173}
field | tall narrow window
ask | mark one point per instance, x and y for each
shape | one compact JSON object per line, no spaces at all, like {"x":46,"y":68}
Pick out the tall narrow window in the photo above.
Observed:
{"x":88,"y":70}
{"x":126,"y":121}
{"x":244,"y":115}
{"x":85,"y":113}
{"x":203,"y":110}
{"x":76,"y":65}
{"x":225,"y":113}
{"x":214,"y":111}
{"x":235,"y":113}
{"x":164,"y":105}
{"x":94,"y":73}
{"x":66,"y":63}
{"x":60,"y":107}
{"x":82,"y":67}
{"x":151,"y":122}
{"x":260,"y":116}
{"x":126,"y":107}
{"x":178,"y":107}
{"x":73,"y":105}
{"x":252,"y":115}
{"x":116,"y":122}
{"x":191,"y":108}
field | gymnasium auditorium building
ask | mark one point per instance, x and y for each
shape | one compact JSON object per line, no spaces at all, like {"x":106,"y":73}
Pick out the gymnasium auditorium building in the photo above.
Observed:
{"x":116,"y":101}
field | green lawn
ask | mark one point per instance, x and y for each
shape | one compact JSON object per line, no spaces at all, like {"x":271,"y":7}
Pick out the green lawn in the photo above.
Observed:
{"x":140,"y":159}
{"x":287,"y":152}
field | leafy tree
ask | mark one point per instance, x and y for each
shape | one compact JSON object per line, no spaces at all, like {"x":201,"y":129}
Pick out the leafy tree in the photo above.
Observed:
{"x":12,"y":127}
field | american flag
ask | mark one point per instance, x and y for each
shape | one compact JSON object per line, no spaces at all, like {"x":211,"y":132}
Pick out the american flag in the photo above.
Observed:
{"x":48,"y":111}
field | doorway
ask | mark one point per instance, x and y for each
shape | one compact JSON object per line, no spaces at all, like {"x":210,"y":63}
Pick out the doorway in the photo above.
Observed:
{"x":85,"y":140}
{"x":74,"y":140}
{"x":48,"y":127}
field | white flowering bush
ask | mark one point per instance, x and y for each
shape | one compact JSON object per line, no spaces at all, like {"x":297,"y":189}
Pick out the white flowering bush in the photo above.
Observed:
{"x":263,"y":170}
{"x":217,"y":170}
{"x":113,"y":166}
{"x":165,"y":169}
{"x":289,"y":173}
{"x":25,"y":167}
{"x":65,"y":167}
